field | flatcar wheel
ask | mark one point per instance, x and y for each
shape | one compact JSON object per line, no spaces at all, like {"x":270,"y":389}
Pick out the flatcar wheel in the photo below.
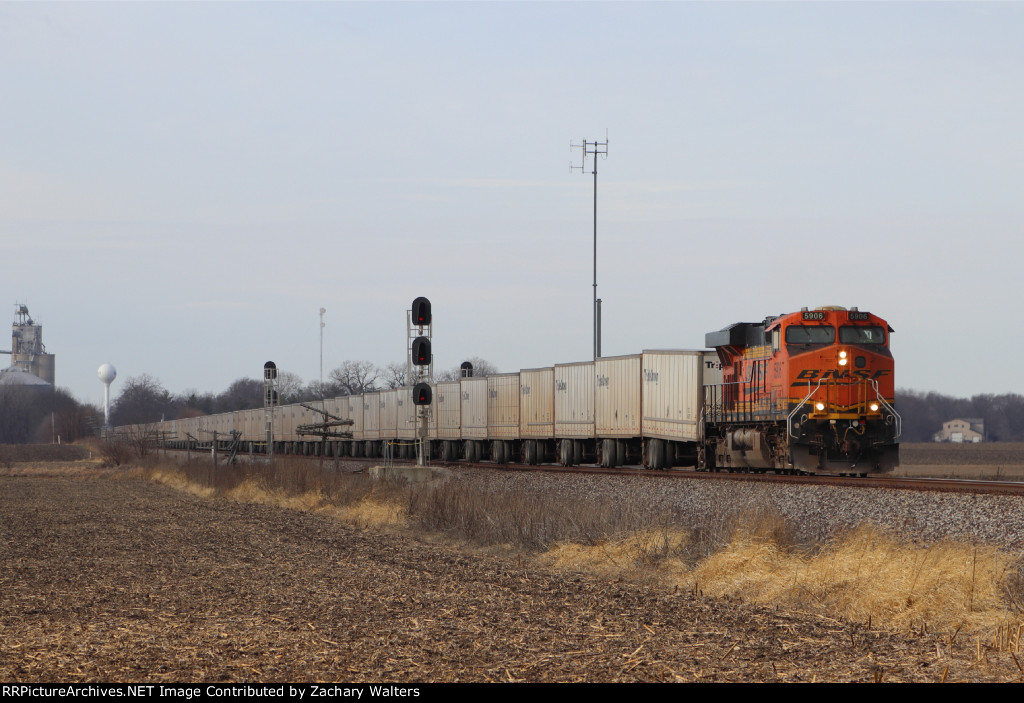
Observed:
{"x":606,"y":454}
{"x":657,"y":454}
{"x":530,"y":452}
{"x":565,"y":452}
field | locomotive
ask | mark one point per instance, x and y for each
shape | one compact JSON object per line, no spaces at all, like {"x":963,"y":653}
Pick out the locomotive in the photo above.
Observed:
{"x":810,"y":391}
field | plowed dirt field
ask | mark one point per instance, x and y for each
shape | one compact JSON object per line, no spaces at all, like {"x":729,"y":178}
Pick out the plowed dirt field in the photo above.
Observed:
{"x":106,"y":579}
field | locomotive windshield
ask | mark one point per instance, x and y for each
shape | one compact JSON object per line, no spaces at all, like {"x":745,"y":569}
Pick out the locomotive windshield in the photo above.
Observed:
{"x":810,"y":334}
{"x":861,"y":335}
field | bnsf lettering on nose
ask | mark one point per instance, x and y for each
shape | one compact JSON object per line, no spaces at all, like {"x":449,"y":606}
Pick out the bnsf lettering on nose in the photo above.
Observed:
{"x":813,"y":374}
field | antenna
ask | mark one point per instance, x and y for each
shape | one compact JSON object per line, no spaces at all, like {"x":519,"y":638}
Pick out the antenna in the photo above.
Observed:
{"x":593,"y":149}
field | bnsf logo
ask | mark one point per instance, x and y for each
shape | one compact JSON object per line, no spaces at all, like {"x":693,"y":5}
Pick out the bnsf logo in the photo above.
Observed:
{"x":814,"y":374}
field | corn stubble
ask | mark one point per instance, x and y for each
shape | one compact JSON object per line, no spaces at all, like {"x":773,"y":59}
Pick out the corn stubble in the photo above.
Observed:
{"x":865,"y":576}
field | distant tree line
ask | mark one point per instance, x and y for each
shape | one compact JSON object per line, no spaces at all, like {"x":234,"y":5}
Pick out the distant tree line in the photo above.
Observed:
{"x":144,"y":399}
{"x":31,"y":414}
{"x":924,"y":413}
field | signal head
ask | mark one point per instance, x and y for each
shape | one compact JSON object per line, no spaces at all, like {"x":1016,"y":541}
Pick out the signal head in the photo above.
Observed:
{"x":421,"y":355}
{"x":421,"y":312}
{"x":422,"y":394}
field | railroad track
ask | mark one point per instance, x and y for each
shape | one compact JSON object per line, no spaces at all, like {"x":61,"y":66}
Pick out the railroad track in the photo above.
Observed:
{"x":945,"y":485}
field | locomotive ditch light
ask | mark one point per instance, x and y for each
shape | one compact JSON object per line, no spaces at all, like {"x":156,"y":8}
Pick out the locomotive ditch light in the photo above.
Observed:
{"x":874,"y":407}
{"x":819,"y":406}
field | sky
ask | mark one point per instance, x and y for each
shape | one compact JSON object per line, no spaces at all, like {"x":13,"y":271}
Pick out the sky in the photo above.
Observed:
{"x":184,"y":185}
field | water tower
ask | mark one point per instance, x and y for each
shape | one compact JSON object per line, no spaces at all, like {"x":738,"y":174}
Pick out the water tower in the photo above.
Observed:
{"x":107,"y":374}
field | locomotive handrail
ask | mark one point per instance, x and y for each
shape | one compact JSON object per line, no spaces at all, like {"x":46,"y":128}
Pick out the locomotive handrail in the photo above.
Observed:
{"x":890,"y":408}
{"x":718,"y":408}
{"x":799,"y":407}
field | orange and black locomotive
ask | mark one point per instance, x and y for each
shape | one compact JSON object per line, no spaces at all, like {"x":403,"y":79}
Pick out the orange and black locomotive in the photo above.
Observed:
{"x":807,"y":392}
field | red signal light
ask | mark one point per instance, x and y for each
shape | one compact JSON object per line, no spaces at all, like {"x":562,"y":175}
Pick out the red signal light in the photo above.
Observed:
{"x":421,"y":355}
{"x":421,"y":312}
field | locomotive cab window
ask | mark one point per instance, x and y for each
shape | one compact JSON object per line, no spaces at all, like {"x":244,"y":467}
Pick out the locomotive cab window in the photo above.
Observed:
{"x":849,"y":334}
{"x":810,"y":334}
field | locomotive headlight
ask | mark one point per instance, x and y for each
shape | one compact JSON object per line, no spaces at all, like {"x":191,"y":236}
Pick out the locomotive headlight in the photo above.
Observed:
{"x":842,"y":358}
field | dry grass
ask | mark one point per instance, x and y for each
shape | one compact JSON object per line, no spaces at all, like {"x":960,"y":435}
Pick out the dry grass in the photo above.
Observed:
{"x":866,"y":576}
{"x":372,"y":508}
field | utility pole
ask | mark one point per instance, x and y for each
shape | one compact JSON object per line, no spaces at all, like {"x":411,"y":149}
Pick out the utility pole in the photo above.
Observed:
{"x":322,"y":324}
{"x":593,"y":149}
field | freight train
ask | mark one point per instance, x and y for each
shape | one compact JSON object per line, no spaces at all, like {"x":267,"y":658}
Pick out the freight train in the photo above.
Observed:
{"x":806,"y":392}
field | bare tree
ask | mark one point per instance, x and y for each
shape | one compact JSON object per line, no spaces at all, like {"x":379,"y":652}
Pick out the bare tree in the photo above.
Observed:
{"x":481,"y":367}
{"x":396,"y":375}
{"x":355,"y":377}
{"x":242,"y":394}
{"x":289,"y":387}
{"x":142,"y":399}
